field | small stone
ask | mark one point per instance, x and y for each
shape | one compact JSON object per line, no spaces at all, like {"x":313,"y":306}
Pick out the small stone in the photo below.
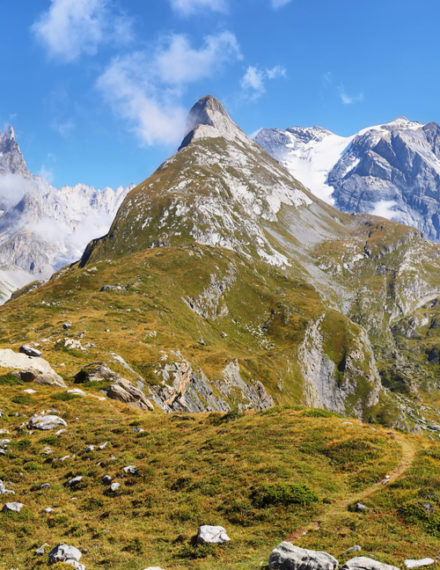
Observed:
{"x":29,"y":350}
{"x":106,"y":479}
{"x":89,"y":448}
{"x":30,"y":391}
{"x":131,"y":470}
{"x":4,"y":490}
{"x":48,"y":509}
{"x":103,"y":445}
{"x":361,"y":508}
{"x":12,"y":507}
{"x":355,"y":548}
{"x":74,"y":481}
{"x":212,"y":535}
{"x":68,"y":554}
{"x":114,"y":487}
{"x":67,"y":325}
{"x":40,"y":551}
{"x":45,"y":486}
{"x":138,"y":430}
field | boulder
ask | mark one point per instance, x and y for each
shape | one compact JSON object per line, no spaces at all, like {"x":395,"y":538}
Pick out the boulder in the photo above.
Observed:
{"x":29,"y":350}
{"x":67,"y":554}
{"x":418,"y":563}
{"x":120,"y":388}
{"x":95,"y":372}
{"x":364,"y":563}
{"x":212,"y":535}
{"x":40,"y":377}
{"x":44,"y":422}
{"x":124,"y":391}
{"x":12,"y":507}
{"x":23,"y":362}
{"x":114,"y":487}
{"x":286,"y":556}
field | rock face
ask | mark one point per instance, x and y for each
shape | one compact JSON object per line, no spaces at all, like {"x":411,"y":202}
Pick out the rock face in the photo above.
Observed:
{"x":364,"y":563}
{"x":212,"y":535}
{"x":43,"y":228}
{"x":33,"y":369}
{"x":185,"y":390}
{"x":286,"y":556}
{"x":391,"y":170}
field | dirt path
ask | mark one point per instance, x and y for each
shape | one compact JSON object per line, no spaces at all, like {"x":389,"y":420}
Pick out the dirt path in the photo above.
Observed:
{"x":408,"y":455}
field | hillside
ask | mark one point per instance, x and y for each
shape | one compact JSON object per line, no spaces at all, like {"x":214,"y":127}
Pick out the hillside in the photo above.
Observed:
{"x":262,"y":476}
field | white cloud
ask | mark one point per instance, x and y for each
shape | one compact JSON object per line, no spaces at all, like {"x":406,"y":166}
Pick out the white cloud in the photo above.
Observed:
{"x":146,"y":89}
{"x":188,"y":7}
{"x":349,"y":99}
{"x":384,"y":209}
{"x":276,"y":4}
{"x":254,"y":80}
{"x":12,"y":189}
{"x":71,"y":28}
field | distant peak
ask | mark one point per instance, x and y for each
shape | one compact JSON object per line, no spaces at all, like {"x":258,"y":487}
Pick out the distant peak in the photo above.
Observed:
{"x":8,"y":134}
{"x":208,"y":119}
{"x":404,"y":123}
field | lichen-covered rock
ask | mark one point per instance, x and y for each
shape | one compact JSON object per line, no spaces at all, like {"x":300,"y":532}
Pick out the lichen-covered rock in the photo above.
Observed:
{"x":364,"y":563}
{"x":208,"y":534}
{"x":286,"y":556}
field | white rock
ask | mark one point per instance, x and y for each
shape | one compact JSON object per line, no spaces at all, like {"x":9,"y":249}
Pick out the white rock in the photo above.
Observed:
{"x":48,"y":509}
{"x":418,"y":563}
{"x":30,"y":391}
{"x":74,"y":481}
{"x":29,"y":350}
{"x":364,"y":563}
{"x":131,"y":469}
{"x":44,"y":422}
{"x":114,"y":487}
{"x":12,"y":507}
{"x":286,"y":556}
{"x":4,"y":490}
{"x":212,"y":534}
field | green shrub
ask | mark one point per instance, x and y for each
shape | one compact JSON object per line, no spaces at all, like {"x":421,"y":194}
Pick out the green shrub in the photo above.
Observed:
{"x":22,"y":399}
{"x":64,"y":396}
{"x":319,"y":413}
{"x":283,"y":494}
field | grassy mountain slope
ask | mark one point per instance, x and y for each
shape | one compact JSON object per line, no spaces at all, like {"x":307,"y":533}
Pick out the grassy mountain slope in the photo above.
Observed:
{"x":261,"y":475}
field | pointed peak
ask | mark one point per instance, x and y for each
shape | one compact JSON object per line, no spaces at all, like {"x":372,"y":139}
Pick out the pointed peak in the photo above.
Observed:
{"x":8,"y":134}
{"x":208,"y":118}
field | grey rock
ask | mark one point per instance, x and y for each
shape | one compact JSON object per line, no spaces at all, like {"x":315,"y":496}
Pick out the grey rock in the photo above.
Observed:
{"x":39,"y":377}
{"x":355,"y":548}
{"x":67,"y":554}
{"x":29,"y":350}
{"x":110,"y":288}
{"x":67,"y":325}
{"x":114,"y":487}
{"x":286,"y":556}
{"x":208,"y":534}
{"x":12,"y":507}
{"x":106,"y":479}
{"x":361,"y":508}
{"x":364,"y":563}
{"x":131,"y":470}
{"x":46,"y":422}
{"x":48,"y":510}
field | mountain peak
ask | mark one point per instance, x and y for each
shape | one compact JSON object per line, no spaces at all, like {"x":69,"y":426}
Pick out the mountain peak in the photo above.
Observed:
{"x":11,"y":159}
{"x":208,"y":118}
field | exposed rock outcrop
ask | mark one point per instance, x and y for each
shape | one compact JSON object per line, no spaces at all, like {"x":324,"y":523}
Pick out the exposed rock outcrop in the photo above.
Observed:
{"x":286,"y":556}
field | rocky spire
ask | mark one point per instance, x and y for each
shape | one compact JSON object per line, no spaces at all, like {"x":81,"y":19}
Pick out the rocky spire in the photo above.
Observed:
{"x":11,"y":159}
{"x":209,"y":119}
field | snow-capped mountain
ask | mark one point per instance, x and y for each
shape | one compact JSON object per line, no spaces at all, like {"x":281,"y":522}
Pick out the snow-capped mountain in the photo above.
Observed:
{"x":41,"y":227}
{"x":391,"y":170}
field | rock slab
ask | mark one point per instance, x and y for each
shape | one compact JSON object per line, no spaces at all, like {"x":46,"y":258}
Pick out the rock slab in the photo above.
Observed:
{"x":287,"y":556}
{"x":364,"y":563}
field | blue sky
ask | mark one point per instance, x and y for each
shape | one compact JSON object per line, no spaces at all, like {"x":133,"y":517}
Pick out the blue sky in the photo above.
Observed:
{"x":97,"y":90}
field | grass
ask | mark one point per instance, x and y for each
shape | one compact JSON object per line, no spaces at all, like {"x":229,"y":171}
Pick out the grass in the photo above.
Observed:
{"x":260,"y":475}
